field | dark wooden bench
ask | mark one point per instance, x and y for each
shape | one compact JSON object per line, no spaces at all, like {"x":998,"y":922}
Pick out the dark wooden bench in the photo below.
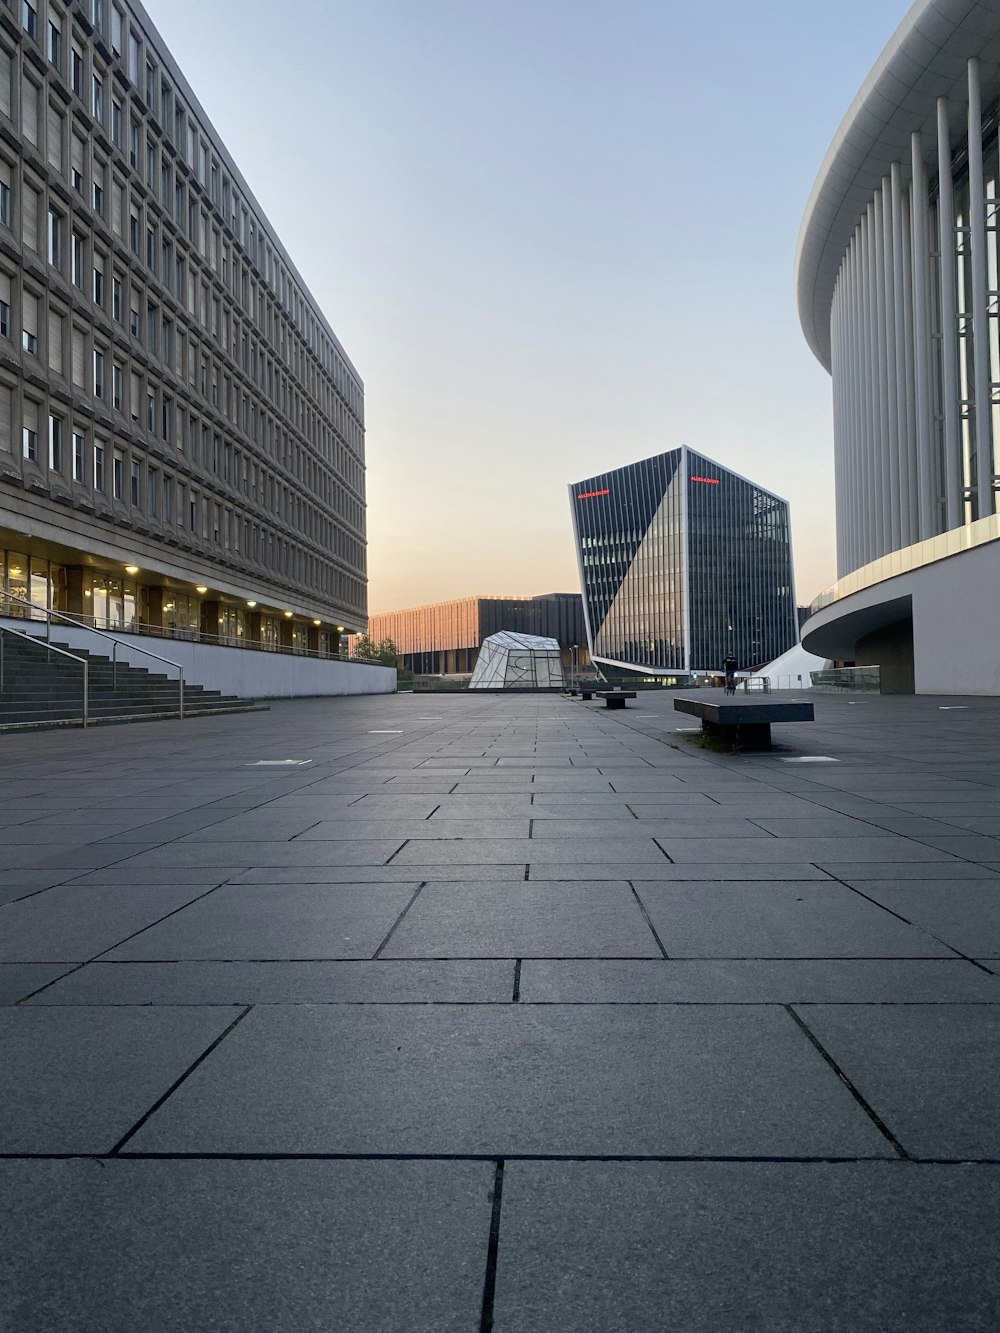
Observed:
{"x":615,"y":698}
{"x":745,"y":725}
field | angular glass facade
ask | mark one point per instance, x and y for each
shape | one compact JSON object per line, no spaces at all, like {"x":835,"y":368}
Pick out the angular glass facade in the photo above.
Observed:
{"x":683,"y":564}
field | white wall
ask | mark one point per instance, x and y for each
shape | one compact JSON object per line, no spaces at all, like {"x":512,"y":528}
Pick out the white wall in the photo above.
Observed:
{"x":241,"y":671}
{"x":956,"y":624}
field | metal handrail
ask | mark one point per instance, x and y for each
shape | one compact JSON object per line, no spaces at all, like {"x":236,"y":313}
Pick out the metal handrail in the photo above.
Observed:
{"x":79,"y":624}
{"x":49,"y":648}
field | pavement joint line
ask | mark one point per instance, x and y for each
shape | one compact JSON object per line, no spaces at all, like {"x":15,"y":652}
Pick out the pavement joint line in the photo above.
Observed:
{"x":492,"y":1249}
{"x":902,"y":1163}
{"x":150,"y":924}
{"x":648,"y":919}
{"x":130,"y":1133}
{"x":916,"y":926}
{"x":516,"y":996}
{"x":868,"y":1109}
{"x":434,"y":811}
{"x":38,"y":990}
{"x":392,"y":929}
{"x":299,"y":834}
{"x":396,"y":852}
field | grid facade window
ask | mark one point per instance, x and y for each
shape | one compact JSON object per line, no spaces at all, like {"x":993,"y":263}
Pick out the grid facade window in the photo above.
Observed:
{"x":248,"y":395}
{"x":683,"y":564}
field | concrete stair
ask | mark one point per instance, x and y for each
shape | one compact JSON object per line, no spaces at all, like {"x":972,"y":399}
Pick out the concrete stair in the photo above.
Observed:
{"x":43,"y":689}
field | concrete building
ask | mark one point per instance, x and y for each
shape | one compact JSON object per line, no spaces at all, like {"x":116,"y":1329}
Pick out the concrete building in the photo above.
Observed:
{"x":683,"y":563}
{"x":444,"y":638}
{"x":899,"y":298}
{"x":181,"y":433}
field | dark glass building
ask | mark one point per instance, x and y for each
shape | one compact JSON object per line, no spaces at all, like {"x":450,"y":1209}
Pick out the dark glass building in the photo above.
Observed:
{"x":683,"y":564}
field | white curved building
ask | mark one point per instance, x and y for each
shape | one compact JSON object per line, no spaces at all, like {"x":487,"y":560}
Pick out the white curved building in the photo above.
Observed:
{"x":898,"y":283}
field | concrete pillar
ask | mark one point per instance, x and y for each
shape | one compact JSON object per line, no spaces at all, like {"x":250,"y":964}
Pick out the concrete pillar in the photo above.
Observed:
{"x":154,"y":609}
{"x":926,"y":489}
{"x":980,"y":302}
{"x":949,"y":328}
{"x":76,"y":603}
{"x":209,"y":617}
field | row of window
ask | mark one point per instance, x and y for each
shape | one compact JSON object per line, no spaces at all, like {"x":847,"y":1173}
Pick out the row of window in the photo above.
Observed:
{"x":87,"y":76}
{"x":168,"y":499}
{"x":185,"y":357}
{"x":160,"y":238}
{"x":203,"y":291}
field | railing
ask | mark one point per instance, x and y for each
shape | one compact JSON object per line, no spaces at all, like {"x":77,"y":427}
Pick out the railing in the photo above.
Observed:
{"x":926,"y":552}
{"x":848,"y":680}
{"x":50,"y":615}
{"x":189,"y":634}
{"x":81,"y":661}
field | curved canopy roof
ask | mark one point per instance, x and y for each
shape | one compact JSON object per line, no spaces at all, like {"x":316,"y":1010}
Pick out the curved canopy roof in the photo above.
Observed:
{"x":926,"y":59}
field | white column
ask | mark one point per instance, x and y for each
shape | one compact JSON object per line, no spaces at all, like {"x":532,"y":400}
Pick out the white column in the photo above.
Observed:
{"x":911,"y":515}
{"x":850,"y":511}
{"x":927,"y":500}
{"x":872,"y":500}
{"x":949,"y":330}
{"x":841,"y":434}
{"x":980,"y":301}
{"x":897,"y":321}
{"x":885,"y":469}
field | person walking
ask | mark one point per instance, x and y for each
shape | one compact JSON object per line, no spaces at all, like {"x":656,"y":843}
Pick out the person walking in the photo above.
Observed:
{"x":729,"y":667}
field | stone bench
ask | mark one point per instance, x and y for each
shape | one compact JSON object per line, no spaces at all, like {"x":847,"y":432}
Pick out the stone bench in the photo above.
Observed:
{"x":745,"y":725}
{"x":584,"y":691}
{"x":615,"y":698}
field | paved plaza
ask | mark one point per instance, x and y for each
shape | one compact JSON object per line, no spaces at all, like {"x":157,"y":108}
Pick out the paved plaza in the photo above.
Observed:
{"x":502,"y":1013}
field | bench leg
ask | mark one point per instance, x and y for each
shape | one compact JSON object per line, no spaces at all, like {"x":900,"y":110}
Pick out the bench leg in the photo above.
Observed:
{"x":740,"y":735}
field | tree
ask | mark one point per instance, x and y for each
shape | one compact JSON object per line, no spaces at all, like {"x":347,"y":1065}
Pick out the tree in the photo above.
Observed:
{"x":385,"y":651}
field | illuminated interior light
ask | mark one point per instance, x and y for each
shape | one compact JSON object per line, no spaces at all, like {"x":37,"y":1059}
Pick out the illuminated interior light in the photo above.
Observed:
{"x":201,"y":588}
{"x":590,"y":495}
{"x":289,"y":614}
{"x":340,"y":629}
{"x":317,"y":622}
{"x":251,"y":603}
{"x":131,"y":569}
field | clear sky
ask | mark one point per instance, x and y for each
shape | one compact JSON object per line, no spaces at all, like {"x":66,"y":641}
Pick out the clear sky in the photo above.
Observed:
{"x":554,"y":236}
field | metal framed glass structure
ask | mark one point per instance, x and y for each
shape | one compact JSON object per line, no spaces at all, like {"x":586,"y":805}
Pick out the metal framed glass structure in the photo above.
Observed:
{"x":683,"y":563}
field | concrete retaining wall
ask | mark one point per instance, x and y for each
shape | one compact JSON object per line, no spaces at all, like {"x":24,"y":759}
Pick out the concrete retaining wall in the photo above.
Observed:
{"x":242,"y":671}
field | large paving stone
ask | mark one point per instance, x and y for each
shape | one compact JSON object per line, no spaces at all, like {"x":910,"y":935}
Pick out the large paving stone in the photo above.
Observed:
{"x":965,"y":915}
{"x":244,"y":854}
{"x":514,"y":1079}
{"x":712,"y":827}
{"x":667,"y":871}
{"x":719,"y":1247}
{"x":522,"y":850}
{"x":888,"y":847}
{"x":586,"y":920}
{"x":360,"y":1247}
{"x":334,"y":829}
{"x":784,"y":920}
{"x":745,"y":981}
{"x":930,"y":1072}
{"x":453,"y":981}
{"x":19,"y":979}
{"x":275,"y":921}
{"x":76,"y":1080}
{"x":72,"y":924}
